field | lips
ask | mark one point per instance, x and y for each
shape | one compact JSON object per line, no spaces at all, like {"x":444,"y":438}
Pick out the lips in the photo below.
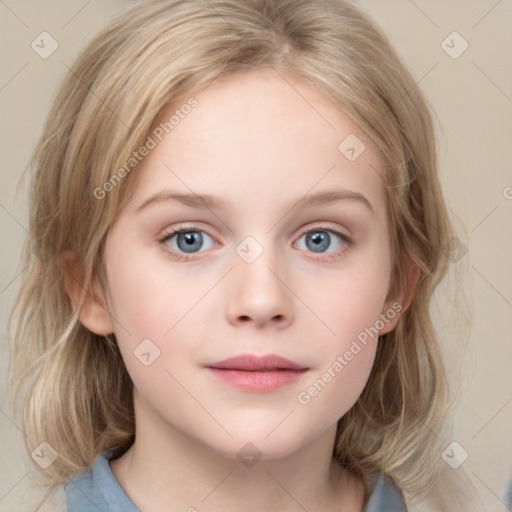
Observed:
{"x":257,"y":374}
{"x":248,"y":362}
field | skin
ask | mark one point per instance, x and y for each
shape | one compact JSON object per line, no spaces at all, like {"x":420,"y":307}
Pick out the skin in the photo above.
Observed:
{"x":260,"y":143}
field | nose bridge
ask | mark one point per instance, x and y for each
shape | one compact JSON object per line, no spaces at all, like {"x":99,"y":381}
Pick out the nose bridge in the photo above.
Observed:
{"x":257,"y":263}
{"x":258,"y":291}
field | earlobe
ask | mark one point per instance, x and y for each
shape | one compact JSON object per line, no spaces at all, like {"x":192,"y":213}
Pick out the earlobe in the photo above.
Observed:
{"x":93,"y":314}
{"x":400,"y":305}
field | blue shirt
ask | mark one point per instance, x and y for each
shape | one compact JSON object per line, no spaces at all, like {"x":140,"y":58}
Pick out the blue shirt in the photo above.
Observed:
{"x":98,"y":490}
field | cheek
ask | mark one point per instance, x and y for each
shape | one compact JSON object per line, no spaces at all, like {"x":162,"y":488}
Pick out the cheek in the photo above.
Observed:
{"x":148,"y":300}
{"x":334,"y":390}
{"x":345,"y":356}
{"x":151,"y":302}
{"x":351,"y":307}
{"x":352,"y":300}
{"x":150,"y":315}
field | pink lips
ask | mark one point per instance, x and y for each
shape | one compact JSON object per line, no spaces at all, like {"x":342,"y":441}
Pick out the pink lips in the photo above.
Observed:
{"x":257,"y":374}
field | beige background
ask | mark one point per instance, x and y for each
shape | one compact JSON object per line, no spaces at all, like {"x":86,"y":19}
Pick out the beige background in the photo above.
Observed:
{"x":472,"y":95}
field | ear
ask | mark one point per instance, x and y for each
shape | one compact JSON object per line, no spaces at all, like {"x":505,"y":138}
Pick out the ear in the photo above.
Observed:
{"x":399,"y":304}
{"x":94,"y":314}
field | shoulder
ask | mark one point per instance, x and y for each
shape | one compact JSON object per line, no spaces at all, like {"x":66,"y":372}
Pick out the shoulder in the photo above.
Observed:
{"x":385,"y":496}
{"x":97,"y":490}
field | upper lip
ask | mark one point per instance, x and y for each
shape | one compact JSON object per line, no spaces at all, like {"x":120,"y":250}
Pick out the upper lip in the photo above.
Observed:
{"x":249,"y":362}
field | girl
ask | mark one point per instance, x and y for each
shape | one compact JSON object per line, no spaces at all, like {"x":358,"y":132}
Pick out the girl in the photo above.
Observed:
{"x":236,"y":230}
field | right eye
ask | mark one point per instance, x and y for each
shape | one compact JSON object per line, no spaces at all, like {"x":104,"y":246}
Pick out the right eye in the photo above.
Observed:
{"x":184,"y":241}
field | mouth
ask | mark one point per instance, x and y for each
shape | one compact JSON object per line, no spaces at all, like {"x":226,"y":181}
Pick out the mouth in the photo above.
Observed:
{"x":248,"y":362}
{"x":257,"y":374}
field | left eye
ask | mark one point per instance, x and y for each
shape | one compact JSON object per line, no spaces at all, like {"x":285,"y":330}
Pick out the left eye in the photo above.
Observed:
{"x":319,"y":240}
{"x":188,"y":241}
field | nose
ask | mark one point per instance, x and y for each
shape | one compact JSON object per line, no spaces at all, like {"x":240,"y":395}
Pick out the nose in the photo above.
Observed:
{"x":259,"y":293}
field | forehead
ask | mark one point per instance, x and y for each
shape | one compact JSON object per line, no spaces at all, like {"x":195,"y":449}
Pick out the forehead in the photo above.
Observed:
{"x":259,"y":135}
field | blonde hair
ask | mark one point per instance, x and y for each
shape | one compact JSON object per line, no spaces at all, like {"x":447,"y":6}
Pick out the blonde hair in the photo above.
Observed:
{"x":77,"y":394}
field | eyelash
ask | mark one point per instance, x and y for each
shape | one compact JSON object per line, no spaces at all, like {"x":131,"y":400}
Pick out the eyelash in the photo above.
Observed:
{"x":334,"y":255}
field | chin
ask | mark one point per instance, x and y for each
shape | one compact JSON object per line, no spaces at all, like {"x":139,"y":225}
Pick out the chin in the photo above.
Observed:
{"x":258,"y":444}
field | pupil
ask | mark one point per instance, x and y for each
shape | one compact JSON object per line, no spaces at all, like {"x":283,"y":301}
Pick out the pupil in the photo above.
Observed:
{"x":190,"y":241}
{"x":320,"y":240}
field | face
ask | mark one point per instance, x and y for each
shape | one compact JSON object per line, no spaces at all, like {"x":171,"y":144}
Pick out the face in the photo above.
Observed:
{"x":267,"y":264}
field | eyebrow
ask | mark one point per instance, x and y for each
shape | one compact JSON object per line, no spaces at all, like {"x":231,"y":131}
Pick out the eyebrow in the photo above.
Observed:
{"x":205,"y":201}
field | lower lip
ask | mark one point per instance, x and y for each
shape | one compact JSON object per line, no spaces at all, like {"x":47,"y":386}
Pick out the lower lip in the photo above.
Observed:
{"x":258,"y":382}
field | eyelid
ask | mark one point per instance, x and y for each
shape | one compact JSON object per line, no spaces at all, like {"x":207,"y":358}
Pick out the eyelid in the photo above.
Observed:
{"x":170,"y":232}
{"x":324,"y":227}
